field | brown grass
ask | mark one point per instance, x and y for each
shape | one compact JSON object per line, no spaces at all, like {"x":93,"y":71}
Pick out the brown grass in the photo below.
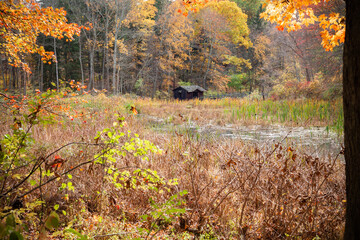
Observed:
{"x":236,"y":189}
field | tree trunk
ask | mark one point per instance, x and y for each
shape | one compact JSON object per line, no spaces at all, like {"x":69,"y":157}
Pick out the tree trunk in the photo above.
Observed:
{"x":81,"y":64}
{"x":250,"y":82}
{"x":115,"y":47}
{"x":92,"y":69}
{"x":3,"y":76}
{"x":308,"y":74}
{"x":17,"y":76}
{"x":118,"y":80}
{"x":25,"y":75}
{"x":121,"y":82}
{"x":155,"y":84}
{"x":56,"y":66}
{"x":11,"y":79}
{"x":41,"y":82}
{"x":296,"y":71}
{"x":105,"y":72}
{"x":100,"y":79}
{"x":351,"y":80}
{"x":208,"y":64}
{"x":41,"y":71}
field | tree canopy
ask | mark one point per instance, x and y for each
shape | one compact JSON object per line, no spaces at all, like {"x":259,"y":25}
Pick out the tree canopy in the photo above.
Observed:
{"x":21,"y":23}
{"x":293,"y":15}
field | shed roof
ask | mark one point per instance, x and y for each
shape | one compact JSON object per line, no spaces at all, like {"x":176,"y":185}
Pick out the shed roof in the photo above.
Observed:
{"x":191,"y":88}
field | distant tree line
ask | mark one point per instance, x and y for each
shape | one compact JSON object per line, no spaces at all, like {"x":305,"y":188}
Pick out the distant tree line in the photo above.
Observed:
{"x":148,"y":47}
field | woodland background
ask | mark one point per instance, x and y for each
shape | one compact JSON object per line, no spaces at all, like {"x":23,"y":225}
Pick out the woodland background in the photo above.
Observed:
{"x":150,"y":47}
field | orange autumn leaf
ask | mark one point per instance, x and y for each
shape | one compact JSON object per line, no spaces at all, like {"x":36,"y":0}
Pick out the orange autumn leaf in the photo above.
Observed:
{"x":133,"y":110}
{"x":280,"y":28}
{"x":23,"y":21}
{"x":56,"y":165}
{"x":293,"y":14}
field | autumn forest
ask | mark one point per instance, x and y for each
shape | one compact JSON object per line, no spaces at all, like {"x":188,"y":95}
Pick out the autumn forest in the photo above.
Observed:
{"x":95,"y":143}
{"x":149,"y":47}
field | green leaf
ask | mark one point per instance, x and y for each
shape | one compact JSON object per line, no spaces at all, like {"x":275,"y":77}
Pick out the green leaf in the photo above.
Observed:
{"x":53,"y":221}
{"x":32,"y":182}
{"x":10,"y":221}
{"x":16,"y":176}
{"x":70,"y":186}
{"x":56,"y":207}
{"x":70,"y":230}
{"x":182,"y":193}
{"x":81,"y":237}
{"x":16,"y":236}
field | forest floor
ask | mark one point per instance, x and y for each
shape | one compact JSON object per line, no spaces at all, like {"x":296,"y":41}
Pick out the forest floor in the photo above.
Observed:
{"x":211,"y":169}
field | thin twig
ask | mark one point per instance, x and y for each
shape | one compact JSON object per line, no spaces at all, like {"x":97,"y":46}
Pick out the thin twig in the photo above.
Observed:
{"x":38,"y":164}
{"x":256,"y":179}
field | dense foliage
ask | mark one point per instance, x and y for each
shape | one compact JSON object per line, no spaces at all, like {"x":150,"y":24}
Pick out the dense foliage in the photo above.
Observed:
{"x":149,"y":47}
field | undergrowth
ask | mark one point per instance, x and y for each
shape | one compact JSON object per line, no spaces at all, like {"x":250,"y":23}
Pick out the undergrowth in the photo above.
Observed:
{"x":85,"y":167}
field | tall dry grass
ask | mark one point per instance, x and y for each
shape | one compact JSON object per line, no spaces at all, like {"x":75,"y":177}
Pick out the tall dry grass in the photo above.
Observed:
{"x":236,"y":190}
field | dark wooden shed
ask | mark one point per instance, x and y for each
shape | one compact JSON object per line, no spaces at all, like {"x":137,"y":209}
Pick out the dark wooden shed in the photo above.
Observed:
{"x":188,"y":92}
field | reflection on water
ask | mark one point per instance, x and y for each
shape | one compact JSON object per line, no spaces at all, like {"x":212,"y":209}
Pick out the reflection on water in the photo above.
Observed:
{"x":310,"y":140}
{"x":314,"y":139}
